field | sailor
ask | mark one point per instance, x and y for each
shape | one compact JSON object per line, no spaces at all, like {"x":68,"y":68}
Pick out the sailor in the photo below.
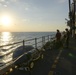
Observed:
{"x":58,"y":35}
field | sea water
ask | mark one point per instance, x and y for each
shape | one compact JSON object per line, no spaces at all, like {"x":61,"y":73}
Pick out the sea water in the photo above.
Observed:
{"x":9,"y":37}
{"x":6,"y":52}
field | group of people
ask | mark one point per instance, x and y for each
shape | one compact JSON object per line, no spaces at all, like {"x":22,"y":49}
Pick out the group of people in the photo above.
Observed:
{"x":65,"y":36}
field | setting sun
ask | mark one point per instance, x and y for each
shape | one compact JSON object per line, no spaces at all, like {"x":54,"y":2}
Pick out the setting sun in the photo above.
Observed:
{"x":6,"y":20}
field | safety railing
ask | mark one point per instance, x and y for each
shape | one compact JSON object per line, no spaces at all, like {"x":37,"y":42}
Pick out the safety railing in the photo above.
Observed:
{"x":34,"y":42}
{"x":5,"y":50}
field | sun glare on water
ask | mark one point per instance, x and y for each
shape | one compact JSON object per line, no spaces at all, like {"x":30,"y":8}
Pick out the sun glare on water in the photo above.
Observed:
{"x":6,"y":20}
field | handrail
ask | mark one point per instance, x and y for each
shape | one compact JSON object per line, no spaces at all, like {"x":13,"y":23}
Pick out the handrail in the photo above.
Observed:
{"x":11,"y":44}
{"x":35,"y":43}
{"x":24,"y":40}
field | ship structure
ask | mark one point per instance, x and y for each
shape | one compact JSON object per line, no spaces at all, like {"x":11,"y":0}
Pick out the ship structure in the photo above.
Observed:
{"x":48,"y":58}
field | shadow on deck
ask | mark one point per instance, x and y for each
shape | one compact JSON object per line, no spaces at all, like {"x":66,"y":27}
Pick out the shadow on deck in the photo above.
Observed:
{"x":67,"y":61}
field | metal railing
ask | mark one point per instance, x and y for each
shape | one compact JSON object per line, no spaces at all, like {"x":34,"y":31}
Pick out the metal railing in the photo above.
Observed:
{"x":37,"y":43}
{"x":44,"y":39}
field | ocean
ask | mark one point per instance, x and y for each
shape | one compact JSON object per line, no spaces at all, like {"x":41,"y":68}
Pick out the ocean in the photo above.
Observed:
{"x":8,"y":38}
{"x":11,"y":37}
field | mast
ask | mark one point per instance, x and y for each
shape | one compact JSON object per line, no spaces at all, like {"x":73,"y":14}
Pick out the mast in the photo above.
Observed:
{"x":70,"y":16}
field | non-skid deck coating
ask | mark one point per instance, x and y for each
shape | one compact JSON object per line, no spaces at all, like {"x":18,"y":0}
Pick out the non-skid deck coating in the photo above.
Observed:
{"x":42,"y":66}
{"x":55,"y":62}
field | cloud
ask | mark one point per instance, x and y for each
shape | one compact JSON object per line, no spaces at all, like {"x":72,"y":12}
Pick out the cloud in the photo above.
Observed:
{"x":62,"y":1}
{"x":25,"y":20}
{"x":5,"y":5}
{"x":7,"y":2}
{"x":2,"y":0}
{"x":26,"y":8}
{"x":13,"y":0}
{"x":0,"y":4}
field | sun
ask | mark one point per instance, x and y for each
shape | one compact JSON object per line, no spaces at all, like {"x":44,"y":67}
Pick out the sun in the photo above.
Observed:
{"x":6,"y":20}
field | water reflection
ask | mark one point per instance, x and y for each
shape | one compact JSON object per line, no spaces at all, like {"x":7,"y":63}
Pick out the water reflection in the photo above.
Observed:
{"x":6,"y":38}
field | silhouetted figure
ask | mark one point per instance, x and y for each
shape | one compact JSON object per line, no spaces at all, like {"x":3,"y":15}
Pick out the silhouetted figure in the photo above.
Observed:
{"x":58,"y":39}
{"x":58,"y":35}
{"x":67,"y":37}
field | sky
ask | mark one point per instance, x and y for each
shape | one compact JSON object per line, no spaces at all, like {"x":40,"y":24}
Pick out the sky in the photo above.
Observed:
{"x":33,"y":15}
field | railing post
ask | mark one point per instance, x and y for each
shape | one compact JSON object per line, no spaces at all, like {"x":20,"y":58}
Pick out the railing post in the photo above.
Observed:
{"x":42,"y":41}
{"x":36,"y":43}
{"x":23,"y":44}
{"x":48,"y":38}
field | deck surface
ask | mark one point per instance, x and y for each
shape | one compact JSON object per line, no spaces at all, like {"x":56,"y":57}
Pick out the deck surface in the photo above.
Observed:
{"x":55,"y":62}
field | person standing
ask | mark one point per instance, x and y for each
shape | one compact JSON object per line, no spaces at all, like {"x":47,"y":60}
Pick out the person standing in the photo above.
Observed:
{"x":58,"y":39}
{"x":58,"y":35}
{"x":67,"y":37}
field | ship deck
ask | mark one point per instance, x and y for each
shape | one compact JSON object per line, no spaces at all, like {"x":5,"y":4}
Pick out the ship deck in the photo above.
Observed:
{"x":56,"y":62}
